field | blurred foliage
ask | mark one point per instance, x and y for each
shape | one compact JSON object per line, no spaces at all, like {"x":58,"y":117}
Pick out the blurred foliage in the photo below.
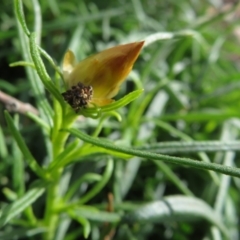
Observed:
{"x":189,"y":69}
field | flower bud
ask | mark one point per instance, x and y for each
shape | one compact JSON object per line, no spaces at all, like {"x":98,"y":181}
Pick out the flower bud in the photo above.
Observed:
{"x":103,"y":72}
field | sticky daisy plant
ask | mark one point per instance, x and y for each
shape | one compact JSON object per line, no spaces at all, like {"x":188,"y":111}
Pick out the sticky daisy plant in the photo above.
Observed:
{"x":92,"y":83}
{"x":87,"y":88}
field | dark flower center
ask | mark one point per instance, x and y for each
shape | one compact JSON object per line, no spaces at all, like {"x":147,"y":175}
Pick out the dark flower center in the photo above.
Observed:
{"x":78,"y":96}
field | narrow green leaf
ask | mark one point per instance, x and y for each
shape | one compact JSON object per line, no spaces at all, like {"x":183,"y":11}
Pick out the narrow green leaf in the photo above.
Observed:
{"x":39,"y":121}
{"x":8,"y":87}
{"x":24,"y":149}
{"x":12,"y":210}
{"x":99,"y":185}
{"x":18,"y":171}
{"x":88,"y":177}
{"x":24,"y":233}
{"x":179,"y":134}
{"x":83,"y":221}
{"x":3,"y":147}
{"x":123,"y":101}
{"x":96,"y":215}
{"x":37,"y":20}
{"x":176,"y":208}
{"x":36,"y":84}
{"x":194,"y":146}
{"x":202,"y":116}
{"x":125,"y":174}
{"x":50,"y":60}
{"x":23,"y":64}
{"x":153,"y":156}
{"x":41,"y":70}
{"x":9,"y":194}
{"x":163,"y":36}
{"x":102,"y":120}
{"x":173,"y":178}
{"x":95,"y":112}
{"x":20,"y":15}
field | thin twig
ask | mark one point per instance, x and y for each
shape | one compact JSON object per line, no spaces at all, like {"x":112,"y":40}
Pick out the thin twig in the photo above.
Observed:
{"x":14,"y":105}
{"x":110,"y":229}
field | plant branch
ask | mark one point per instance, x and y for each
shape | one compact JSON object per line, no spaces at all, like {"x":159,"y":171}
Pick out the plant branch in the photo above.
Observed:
{"x":232,"y":171}
{"x":14,"y":105}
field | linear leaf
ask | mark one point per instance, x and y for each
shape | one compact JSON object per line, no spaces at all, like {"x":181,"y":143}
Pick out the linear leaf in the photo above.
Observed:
{"x":24,"y":149}
{"x":153,"y":156}
{"x":180,"y":208}
{"x":97,"y":215}
{"x":12,"y":210}
{"x":21,"y":233}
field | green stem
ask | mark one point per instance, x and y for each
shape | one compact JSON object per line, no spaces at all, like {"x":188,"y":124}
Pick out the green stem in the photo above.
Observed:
{"x":58,"y":138}
{"x":51,"y":217}
{"x":62,"y":119}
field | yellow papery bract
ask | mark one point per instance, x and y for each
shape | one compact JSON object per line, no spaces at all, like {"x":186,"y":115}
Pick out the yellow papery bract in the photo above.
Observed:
{"x":68,"y":64}
{"x":104,"y":71}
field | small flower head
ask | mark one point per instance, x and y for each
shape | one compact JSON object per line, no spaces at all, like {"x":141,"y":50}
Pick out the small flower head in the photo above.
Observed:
{"x":97,"y":79}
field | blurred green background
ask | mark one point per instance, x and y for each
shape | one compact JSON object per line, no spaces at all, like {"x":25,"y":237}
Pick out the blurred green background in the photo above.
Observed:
{"x":189,"y":69}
